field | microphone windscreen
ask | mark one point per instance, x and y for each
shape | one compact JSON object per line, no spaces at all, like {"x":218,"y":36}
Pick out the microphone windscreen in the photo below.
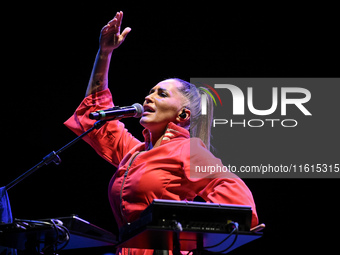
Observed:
{"x":139,"y":109}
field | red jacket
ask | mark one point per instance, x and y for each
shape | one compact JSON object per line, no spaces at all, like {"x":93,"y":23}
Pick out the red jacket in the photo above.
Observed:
{"x":163,"y":172}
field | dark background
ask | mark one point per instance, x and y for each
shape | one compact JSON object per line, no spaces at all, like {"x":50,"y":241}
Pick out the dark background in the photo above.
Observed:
{"x":47,"y":54}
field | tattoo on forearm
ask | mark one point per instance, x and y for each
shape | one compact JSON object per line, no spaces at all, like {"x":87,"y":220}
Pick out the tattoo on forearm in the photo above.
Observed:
{"x":99,"y":82}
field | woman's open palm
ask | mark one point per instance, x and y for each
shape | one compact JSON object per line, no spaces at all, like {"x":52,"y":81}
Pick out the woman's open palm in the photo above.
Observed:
{"x":110,"y":36}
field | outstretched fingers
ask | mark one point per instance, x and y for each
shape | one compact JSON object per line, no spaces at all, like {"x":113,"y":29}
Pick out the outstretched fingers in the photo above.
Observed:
{"x":111,"y":37}
{"x":114,"y":24}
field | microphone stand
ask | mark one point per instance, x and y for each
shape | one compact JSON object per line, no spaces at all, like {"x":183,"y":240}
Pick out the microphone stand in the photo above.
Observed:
{"x":53,"y":156}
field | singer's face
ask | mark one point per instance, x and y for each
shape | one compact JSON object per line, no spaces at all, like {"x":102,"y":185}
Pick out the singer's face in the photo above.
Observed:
{"x":163,"y":105}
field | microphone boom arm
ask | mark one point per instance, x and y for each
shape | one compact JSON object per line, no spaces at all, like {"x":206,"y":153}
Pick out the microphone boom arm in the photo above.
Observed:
{"x":54,"y":156}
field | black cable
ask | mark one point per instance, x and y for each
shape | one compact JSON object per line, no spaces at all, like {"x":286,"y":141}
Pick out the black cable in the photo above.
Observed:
{"x":66,"y":239}
{"x":221,"y":242}
{"x":50,"y":247}
{"x":235,"y":230}
{"x":231,"y":245}
{"x":61,"y":232}
{"x":177,"y":227}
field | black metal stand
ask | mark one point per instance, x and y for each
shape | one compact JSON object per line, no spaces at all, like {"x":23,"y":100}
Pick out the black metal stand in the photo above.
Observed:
{"x":53,"y":156}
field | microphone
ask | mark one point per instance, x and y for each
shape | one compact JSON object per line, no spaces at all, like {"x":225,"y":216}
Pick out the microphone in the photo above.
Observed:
{"x":135,"y":110}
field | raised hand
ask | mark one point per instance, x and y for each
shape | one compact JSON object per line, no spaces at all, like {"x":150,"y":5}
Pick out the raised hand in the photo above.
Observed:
{"x":110,"y":36}
{"x":110,"y":39}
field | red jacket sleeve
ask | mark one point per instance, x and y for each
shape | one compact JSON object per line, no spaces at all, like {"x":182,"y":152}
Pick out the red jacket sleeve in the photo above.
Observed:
{"x":112,"y":141}
{"x":225,"y":188}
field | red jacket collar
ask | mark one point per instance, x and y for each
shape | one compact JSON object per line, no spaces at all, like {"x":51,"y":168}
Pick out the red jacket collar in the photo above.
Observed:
{"x":172,"y":131}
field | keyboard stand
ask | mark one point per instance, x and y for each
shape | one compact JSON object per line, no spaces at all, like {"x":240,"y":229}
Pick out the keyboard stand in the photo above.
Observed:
{"x":163,"y":239}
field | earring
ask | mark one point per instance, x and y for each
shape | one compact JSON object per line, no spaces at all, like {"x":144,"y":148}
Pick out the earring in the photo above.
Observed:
{"x":183,"y":115}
